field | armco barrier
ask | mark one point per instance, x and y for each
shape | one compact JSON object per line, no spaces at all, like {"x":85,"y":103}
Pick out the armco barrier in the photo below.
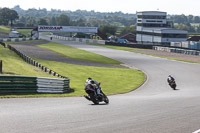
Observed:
{"x":17,"y":39}
{"x":177,"y":50}
{"x":33,"y":62}
{"x":27,"y":84}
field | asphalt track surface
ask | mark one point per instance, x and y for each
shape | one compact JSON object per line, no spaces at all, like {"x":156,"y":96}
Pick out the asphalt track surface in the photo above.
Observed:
{"x":152,"y":108}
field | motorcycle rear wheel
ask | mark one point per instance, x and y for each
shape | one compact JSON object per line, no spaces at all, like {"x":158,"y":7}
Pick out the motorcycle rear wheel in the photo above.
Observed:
{"x":106,"y":100}
{"x":93,"y":98}
{"x":174,"y":86}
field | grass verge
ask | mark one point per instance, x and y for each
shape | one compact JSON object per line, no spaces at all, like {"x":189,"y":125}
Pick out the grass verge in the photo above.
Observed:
{"x":14,"y":65}
{"x":113,"y":80}
{"x":4,"y":29}
{"x":78,"y":53}
{"x":25,"y":32}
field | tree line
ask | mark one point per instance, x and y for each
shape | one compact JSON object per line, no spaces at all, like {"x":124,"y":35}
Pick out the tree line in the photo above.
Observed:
{"x":110,"y":23}
{"x":190,"y":23}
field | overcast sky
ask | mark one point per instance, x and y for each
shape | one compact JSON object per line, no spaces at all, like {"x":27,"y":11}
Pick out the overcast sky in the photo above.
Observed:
{"x":187,"y":7}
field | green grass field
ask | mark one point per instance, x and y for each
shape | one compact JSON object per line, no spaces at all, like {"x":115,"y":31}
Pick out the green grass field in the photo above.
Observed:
{"x":4,"y":29}
{"x":25,"y":32}
{"x":113,"y":80}
{"x":14,"y":65}
{"x":78,"y":54}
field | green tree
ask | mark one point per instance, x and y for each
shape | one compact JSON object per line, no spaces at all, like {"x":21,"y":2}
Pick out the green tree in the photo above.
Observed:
{"x":129,"y":29}
{"x":31,"y":22}
{"x":196,"y":19}
{"x":7,"y":15}
{"x":63,"y":20}
{"x":108,"y":29}
{"x":53,"y":21}
{"x":13,"y":16}
{"x":198,"y":29}
{"x":42,"y":21}
{"x":22,"y":19}
{"x":182,"y":27}
{"x":190,"y":18}
{"x":80,"y":21}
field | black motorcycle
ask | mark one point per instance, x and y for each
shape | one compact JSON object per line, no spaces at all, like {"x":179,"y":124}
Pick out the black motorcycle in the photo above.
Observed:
{"x":93,"y":96}
{"x":172,"y":84}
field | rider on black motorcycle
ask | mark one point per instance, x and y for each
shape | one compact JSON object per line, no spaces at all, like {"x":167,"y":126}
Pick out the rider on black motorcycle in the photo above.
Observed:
{"x":94,"y":92}
{"x":170,"y":79}
{"x":94,"y":84}
{"x":171,"y":82}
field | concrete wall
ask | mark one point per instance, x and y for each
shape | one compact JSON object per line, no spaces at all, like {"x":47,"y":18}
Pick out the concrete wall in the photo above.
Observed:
{"x":17,"y":39}
{"x":80,"y":39}
{"x":177,"y":50}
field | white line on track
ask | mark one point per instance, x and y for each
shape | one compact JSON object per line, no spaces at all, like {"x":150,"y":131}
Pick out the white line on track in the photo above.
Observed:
{"x":198,"y":131}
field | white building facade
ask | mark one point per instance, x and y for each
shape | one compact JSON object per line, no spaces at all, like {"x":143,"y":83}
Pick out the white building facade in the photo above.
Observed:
{"x":153,"y":28}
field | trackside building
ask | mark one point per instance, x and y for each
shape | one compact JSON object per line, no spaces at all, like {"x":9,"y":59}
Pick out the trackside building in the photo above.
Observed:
{"x":153,"y":28}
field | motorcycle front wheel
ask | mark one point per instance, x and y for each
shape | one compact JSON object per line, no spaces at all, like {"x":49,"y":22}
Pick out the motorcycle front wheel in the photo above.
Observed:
{"x":174,"y":86}
{"x":106,"y":100}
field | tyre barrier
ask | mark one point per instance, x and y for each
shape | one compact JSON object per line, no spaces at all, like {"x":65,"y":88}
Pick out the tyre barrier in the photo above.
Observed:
{"x":27,"y":84}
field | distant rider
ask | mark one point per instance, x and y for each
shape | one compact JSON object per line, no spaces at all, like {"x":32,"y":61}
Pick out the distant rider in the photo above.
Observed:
{"x":170,"y":79}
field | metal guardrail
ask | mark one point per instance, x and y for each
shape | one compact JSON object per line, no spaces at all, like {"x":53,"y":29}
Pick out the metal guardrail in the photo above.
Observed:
{"x":17,"y":39}
{"x":27,"y":84}
{"x":177,"y":50}
{"x":34,"y":63}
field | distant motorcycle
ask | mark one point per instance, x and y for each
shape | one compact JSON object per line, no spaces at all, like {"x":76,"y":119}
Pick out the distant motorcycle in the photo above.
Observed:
{"x":172,"y":84}
{"x":93,"y":96}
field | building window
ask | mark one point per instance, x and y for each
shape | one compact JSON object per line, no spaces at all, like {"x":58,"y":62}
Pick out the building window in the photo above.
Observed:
{"x":174,"y":35}
{"x":151,"y":17}
{"x":163,"y":35}
{"x":139,"y":16}
{"x":151,"y":25}
{"x":150,"y":21}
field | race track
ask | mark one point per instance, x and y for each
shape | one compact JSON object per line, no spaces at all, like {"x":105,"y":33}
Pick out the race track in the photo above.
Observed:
{"x":152,"y":108}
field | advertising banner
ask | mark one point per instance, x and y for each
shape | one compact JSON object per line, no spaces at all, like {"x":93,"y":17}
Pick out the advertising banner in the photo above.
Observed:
{"x":67,"y":29}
